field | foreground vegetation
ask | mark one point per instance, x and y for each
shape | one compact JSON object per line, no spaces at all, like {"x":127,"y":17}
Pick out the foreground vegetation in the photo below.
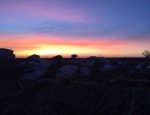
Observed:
{"x":95,"y":94}
{"x":79,"y":97}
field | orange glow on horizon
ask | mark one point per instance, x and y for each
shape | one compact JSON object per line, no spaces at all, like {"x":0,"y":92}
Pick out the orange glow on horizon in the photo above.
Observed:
{"x":24,"y":46}
{"x":52,"y":50}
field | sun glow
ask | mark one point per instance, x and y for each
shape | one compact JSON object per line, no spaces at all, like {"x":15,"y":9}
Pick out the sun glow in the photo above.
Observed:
{"x":47,"y":46}
{"x":45,"y":50}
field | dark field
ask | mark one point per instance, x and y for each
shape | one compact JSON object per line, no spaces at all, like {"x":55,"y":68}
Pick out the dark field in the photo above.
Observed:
{"x":95,"y":94}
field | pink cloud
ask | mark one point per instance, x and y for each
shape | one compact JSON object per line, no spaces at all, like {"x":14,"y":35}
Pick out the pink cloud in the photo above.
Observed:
{"x":53,"y":11}
{"x":104,"y":47}
{"x":31,"y":39}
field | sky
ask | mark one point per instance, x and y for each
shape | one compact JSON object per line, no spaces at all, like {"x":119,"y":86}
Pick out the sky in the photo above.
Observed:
{"x":109,"y":28}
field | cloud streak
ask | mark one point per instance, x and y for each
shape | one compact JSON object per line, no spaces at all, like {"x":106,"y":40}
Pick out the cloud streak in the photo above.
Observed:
{"x":110,"y":27}
{"x":53,"y":11}
{"x":56,"y":44}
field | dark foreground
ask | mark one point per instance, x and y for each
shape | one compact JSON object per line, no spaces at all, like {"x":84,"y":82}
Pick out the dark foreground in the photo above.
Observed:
{"x":91,"y":95}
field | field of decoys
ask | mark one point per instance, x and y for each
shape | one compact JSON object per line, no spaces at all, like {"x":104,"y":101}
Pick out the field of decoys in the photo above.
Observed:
{"x":76,"y":86}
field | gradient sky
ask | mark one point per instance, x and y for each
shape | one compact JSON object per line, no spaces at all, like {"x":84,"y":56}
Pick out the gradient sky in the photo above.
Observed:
{"x":109,"y":28}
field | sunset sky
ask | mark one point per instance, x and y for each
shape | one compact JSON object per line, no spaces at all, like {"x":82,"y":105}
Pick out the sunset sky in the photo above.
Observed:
{"x":109,"y":28}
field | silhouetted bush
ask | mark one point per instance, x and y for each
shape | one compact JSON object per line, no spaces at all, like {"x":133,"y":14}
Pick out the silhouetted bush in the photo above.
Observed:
{"x":146,"y":53}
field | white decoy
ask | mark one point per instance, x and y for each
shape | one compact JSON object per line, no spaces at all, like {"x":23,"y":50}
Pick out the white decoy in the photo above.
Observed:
{"x":83,"y":71}
{"x":6,"y":54}
{"x":148,"y":67}
{"x":39,"y":63}
{"x":74,"y":61}
{"x":38,"y":67}
{"x":33,"y":73}
{"x":66,"y":71}
{"x":138,"y":67}
{"x":106,"y":67}
{"x":21,"y":64}
{"x":120,"y":62}
{"x":87,"y":63}
{"x":73,"y":56}
{"x":34,"y":56}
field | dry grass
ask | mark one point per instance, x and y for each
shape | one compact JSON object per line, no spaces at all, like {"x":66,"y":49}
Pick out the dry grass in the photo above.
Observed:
{"x":92,"y":95}
{"x":78,"y":97}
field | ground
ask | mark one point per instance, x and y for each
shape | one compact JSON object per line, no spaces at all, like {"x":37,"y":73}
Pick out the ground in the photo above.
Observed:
{"x":91,"y":95}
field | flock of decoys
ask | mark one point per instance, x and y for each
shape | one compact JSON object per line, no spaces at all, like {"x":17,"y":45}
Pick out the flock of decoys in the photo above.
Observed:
{"x":37,"y":66}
